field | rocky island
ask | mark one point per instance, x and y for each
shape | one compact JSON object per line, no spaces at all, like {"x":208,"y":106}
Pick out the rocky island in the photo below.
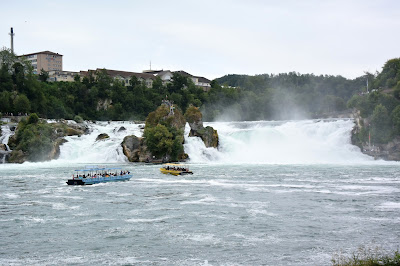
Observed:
{"x":37,"y":140}
{"x":163,"y":135}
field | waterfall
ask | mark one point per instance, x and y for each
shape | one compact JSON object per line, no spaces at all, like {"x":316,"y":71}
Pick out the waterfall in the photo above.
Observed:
{"x":6,"y":133}
{"x":85,"y":149}
{"x":258,"y":142}
{"x":283,"y":142}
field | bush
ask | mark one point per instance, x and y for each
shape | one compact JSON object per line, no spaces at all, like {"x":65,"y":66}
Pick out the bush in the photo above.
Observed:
{"x":367,"y":257}
{"x":33,"y":119}
{"x":159,"y":140}
{"x":78,"y":119}
{"x":34,"y":139}
{"x":193,"y":114}
{"x":380,"y":125}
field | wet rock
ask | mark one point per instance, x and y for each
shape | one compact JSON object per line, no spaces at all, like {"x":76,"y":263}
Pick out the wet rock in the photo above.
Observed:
{"x":135,"y":149}
{"x":17,"y":156}
{"x":208,"y":134}
{"x":55,"y":152}
{"x":102,"y":136}
{"x":3,"y":147}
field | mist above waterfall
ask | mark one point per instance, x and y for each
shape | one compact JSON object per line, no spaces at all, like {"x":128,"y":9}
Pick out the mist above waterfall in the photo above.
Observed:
{"x":282,"y":142}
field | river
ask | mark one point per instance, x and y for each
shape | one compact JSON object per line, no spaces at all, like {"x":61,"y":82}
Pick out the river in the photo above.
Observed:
{"x":276,"y":193}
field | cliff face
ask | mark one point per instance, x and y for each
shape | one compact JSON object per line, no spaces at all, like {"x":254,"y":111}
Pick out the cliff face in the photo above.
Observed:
{"x":208,"y":134}
{"x":389,"y":151}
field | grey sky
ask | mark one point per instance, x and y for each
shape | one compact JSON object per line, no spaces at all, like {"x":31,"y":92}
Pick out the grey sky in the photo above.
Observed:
{"x":209,"y":38}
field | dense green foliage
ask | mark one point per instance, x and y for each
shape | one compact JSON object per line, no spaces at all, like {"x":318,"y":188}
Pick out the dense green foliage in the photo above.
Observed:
{"x":390,"y":75}
{"x":383,"y":113}
{"x":34,"y":137}
{"x":282,"y":96}
{"x":163,"y":133}
{"x":193,"y":114}
{"x":96,"y":97}
{"x":232,"y":97}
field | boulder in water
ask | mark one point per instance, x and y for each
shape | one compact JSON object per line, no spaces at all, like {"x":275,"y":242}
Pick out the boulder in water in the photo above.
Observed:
{"x":208,"y":134}
{"x":135,"y":149}
{"x":3,"y":147}
{"x":73,"y":132}
{"x":131,"y":148}
{"x":121,"y":129}
{"x":102,"y":136}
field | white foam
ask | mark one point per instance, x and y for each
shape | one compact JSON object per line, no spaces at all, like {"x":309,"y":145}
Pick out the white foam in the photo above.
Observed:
{"x":390,"y":205}
{"x":85,"y":149}
{"x":285,"y":142}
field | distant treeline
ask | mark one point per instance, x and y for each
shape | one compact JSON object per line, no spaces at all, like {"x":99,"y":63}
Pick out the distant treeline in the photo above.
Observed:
{"x":232,"y":97}
{"x":291,"y":95}
{"x":294,"y":95}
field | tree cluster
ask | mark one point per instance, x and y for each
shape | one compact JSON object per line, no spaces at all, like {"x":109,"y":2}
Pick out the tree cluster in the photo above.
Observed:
{"x":163,"y":134}
{"x":95,"y":97}
{"x":283,"y":96}
{"x":233,"y":97}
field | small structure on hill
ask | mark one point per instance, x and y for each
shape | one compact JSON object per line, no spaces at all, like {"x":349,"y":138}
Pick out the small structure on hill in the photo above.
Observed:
{"x":169,"y":104}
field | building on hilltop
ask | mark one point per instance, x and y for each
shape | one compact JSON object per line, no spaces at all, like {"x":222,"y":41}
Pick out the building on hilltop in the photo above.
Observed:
{"x":166,"y":76}
{"x":123,"y":76}
{"x":56,"y":75}
{"x":45,"y":60}
{"x":52,"y":63}
{"x":202,"y":82}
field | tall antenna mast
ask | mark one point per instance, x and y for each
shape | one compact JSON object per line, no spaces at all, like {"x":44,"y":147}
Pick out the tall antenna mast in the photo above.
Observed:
{"x":150,"y":64}
{"x":367,"y":84}
{"x":12,"y":39}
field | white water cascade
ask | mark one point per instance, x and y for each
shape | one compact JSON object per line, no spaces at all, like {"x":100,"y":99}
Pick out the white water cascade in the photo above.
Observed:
{"x":85,"y":149}
{"x":6,"y":133}
{"x":258,"y":142}
{"x":281,"y":142}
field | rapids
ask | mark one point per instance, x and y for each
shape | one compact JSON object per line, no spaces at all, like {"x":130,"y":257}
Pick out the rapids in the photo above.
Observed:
{"x":283,"y":142}
{"x":274,"y":193}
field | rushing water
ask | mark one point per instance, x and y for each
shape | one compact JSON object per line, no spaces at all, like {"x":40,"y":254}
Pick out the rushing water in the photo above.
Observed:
{"x":6,"y":133}
{"x":242,"y":206}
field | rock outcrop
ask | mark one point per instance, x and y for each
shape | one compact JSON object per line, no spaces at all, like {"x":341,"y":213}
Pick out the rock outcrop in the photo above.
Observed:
{"x":135,"y":149}
{"x":162,"y":137}
{"x":40,"y":141}
{"x":102,"y":136}
{"x":208,"y":134}
{"x":389,"y":151}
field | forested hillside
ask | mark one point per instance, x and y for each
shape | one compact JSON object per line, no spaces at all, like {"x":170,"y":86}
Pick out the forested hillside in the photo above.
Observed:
{"x":232,"y":97}
{"x":286,"y":95}
{"x":94,"y":97}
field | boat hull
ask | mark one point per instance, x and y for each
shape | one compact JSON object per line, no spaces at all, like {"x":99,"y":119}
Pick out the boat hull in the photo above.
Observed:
{"x":175,"y":172}
{"x":97,"y":180}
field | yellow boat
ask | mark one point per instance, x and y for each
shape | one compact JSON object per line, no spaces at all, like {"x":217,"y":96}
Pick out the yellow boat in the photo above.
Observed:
{"x":175,"y":169}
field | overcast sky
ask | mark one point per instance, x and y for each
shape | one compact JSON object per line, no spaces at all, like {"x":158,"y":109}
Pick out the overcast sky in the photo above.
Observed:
{"x":209,"y":38}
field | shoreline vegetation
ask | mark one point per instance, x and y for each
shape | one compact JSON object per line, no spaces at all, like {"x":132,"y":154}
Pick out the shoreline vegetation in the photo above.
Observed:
{"x":367,"y":256}
{"x":375,"y":107}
